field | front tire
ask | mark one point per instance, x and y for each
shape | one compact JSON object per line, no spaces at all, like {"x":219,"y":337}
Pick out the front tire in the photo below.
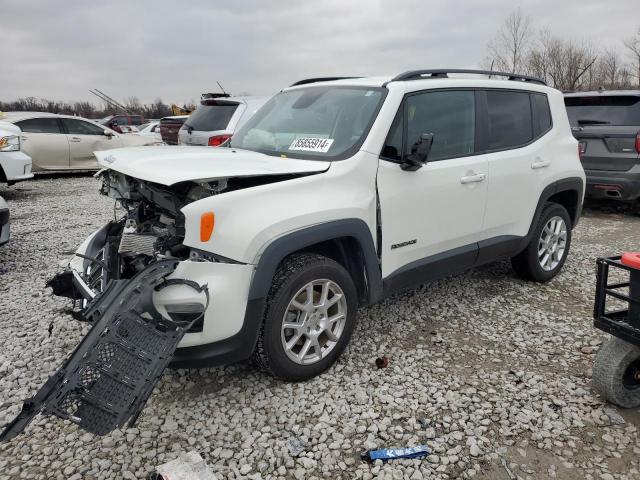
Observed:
{"x":309,"y":317}
{"x":547,"y":251}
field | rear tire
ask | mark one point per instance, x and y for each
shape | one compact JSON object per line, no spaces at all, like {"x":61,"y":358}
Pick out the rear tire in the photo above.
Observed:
{"x":616,"y":373}
{"x":547,"y":251}
{"x":320,"y":324}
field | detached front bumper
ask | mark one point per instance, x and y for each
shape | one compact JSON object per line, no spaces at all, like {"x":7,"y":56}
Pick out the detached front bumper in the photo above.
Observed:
{"x":222,"y":336}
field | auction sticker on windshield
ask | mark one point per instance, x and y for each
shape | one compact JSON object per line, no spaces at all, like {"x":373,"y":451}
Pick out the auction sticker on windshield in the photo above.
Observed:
{"x":308,"y":144}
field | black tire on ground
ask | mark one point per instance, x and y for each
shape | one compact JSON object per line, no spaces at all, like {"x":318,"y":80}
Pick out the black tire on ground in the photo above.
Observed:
{"x":526,"y":263}
{"x":293,"y":273}
{"x":613,"y":373}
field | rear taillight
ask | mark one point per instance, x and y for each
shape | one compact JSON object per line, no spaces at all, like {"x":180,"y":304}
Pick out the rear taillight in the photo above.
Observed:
{"x":218,"y":140}
{"x":638,"y":142}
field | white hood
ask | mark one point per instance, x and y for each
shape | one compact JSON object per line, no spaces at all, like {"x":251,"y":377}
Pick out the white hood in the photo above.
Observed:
{"x":171,"y":165}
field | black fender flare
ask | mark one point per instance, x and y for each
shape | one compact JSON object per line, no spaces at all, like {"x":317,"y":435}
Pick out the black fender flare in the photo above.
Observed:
{"x":575,"y":184}
{"x":241,"y":345}
{"x":300,"y":239}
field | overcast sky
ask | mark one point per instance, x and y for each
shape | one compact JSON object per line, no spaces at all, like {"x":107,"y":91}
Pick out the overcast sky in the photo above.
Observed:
{"x":176,"y":50}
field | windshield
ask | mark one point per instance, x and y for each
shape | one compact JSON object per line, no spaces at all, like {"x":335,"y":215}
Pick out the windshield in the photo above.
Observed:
{"x":319,"y":123}
{"x":603,"y":110}
{"x":213,"y":116}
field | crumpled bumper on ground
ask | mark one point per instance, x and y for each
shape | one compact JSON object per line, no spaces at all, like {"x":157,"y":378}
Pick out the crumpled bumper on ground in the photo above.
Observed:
{"x":109,"y":377}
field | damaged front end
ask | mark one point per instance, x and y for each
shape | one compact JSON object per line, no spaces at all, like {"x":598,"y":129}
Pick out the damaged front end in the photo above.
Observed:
{"x":116,"y":276}
{"x":151,"y":230}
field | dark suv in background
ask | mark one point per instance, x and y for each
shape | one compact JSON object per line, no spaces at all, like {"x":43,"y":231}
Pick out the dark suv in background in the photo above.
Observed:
{"x":607,"y":127}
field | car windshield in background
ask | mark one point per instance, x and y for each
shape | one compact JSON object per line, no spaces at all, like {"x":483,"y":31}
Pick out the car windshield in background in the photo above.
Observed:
{"x":209,"y":117}
{"x":603,"y":110}
{"x":319,"y":123}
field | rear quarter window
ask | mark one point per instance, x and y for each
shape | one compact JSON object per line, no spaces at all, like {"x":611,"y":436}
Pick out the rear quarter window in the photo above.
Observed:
{"x":541,"y":114}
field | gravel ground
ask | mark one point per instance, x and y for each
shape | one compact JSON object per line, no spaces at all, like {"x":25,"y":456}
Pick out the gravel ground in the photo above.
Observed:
{"x":491,"y":372}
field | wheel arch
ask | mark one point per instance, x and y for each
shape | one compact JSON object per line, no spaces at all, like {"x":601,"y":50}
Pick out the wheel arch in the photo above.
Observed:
{"x":349,"y":242}
{"x":567,"y":192}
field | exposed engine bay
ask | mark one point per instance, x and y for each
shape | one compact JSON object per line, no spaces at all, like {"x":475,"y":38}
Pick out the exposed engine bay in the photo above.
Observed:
{"x":152,"y":227}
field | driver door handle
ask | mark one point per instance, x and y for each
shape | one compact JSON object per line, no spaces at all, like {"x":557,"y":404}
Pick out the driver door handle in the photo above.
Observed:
{"x":540,"y":164}
{"x":74,"y":139}
{"x":478,"y":177}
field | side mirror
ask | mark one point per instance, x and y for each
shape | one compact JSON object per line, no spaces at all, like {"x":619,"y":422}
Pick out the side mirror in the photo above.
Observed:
{"x":419,"y":153}
{"x":107,"y":133}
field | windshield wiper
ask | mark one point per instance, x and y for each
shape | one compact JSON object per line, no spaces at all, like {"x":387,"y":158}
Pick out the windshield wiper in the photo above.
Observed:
{"x":586,"y":121}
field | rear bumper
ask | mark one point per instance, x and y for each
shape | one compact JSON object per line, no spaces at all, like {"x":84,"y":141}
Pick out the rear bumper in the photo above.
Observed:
{"x":16,"y":166}
{"x":614,"y":185}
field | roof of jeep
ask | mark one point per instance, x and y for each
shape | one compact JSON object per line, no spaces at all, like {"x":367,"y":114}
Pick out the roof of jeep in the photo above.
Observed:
{"x":464,"y":81}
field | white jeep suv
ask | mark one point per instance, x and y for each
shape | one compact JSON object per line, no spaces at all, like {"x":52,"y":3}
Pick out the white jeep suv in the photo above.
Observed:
{"x":334,"y":194}
{"x":337,"y":193}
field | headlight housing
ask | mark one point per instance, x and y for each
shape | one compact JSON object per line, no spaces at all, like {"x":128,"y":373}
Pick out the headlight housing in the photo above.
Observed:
{"x":10,"y":143}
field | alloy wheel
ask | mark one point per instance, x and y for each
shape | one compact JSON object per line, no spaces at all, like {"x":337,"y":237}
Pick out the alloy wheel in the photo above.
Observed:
{"x":552,"y":243}
{"x":314,"y":321}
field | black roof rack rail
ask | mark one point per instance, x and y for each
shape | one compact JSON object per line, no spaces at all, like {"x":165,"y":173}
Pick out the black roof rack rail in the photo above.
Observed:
{"x":444,"y":73}
{"x":319,"y":79}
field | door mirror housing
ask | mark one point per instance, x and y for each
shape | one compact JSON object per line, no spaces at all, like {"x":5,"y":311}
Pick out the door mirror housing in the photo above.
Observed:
{"x":108,"y":133}
{"x":419,"y":153}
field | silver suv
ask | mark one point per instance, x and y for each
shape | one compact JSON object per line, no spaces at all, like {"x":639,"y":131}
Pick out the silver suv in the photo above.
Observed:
{"x":217,"y":117}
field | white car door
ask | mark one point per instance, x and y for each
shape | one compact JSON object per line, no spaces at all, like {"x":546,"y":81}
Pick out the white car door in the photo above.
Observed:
{"x":84,"y":139}
{"x":43,"y":140}
{"x":518,"y":165}
{"x":432,"y":217}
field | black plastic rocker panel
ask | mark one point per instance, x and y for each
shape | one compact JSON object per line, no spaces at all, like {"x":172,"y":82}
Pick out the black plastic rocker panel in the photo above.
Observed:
{"x":109,"y":377}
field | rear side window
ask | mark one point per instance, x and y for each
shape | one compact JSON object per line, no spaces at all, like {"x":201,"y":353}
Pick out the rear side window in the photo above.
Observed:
{"x":136,"y":120}
{"x":212,"y":117}
{"x":509,"y":119}
{"x":541,"y":114}
{"x":604,"y":110}
{"x":39,"y":125}
{"x":449,"y":115}
{"x":78,"y":127}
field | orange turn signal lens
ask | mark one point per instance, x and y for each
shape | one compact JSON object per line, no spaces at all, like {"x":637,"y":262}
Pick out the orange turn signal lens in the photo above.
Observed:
{"x":207,"y":221}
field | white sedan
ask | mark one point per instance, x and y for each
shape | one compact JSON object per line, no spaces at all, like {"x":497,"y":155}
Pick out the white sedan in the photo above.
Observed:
{"x":63,"y":142}
{"x":14,"y":164}
{"x":150,"y":129}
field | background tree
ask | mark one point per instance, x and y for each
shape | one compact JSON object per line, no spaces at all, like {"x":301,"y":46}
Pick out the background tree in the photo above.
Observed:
{"x":509,"y":49}
{"x":565,"y":64}
{"x":633,"y":46}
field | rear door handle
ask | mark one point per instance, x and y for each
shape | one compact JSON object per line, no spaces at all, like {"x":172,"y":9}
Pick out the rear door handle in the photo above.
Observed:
{"x":23,"y":138}
{"x":540,"y":164}
{"x":478,"y":177}
{"x":74,"y":139}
